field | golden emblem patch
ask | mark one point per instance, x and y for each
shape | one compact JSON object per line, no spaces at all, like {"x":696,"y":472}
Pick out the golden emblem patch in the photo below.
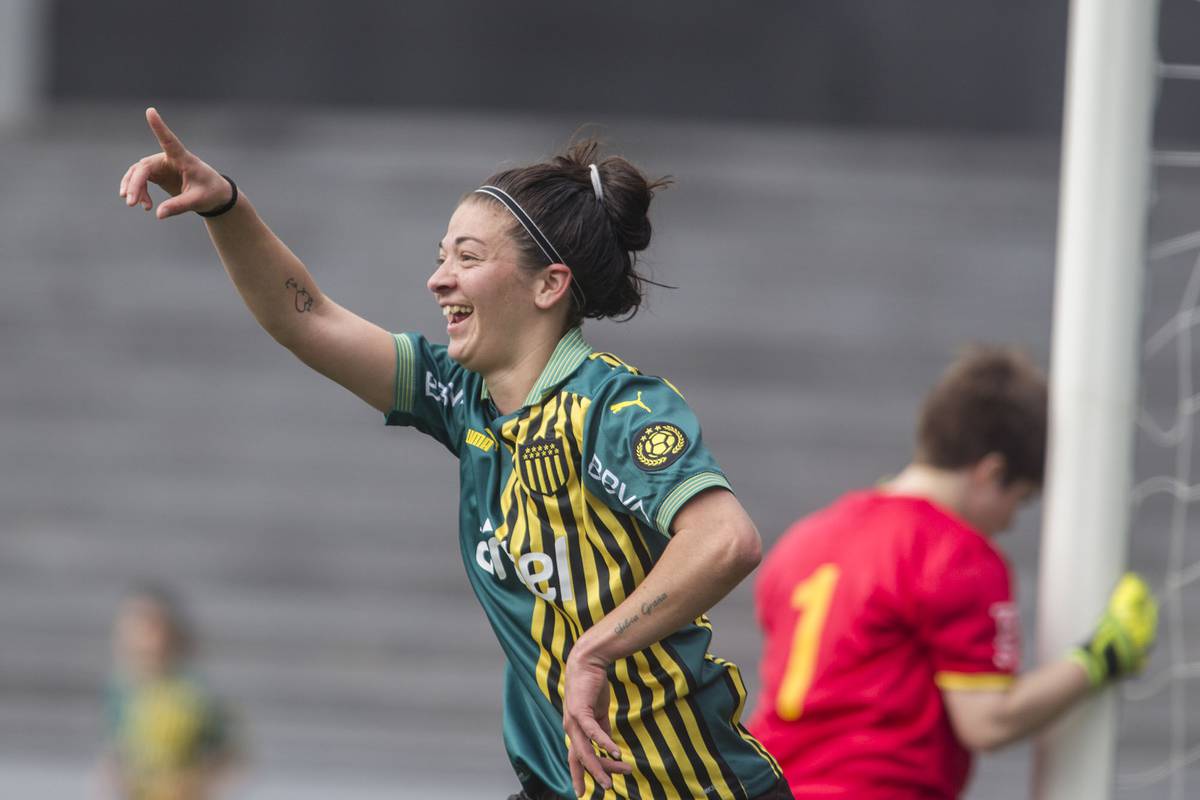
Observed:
{"x":542,"y":465}
{"x":658,"y":445}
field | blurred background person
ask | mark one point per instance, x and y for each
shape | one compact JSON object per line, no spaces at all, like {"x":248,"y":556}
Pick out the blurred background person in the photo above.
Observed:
{"x":168,"y":737}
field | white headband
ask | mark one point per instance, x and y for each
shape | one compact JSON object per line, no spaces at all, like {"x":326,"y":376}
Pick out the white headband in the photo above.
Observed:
{"x":596,"y":187}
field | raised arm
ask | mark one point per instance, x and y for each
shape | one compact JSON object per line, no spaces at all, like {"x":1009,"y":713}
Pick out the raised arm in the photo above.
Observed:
{"x":274,"y":283}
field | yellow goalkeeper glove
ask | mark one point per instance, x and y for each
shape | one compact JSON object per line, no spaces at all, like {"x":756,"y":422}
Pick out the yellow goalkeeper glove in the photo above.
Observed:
{"x":1125,"y":634}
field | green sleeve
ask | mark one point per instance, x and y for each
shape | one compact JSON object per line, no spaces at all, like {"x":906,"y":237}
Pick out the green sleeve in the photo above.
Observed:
{"x":644,"y":451}
{"x":430,"y":390}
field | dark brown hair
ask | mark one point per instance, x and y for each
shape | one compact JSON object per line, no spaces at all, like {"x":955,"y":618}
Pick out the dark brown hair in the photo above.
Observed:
{"x":990,"y":400}
{"x":598,"y":240}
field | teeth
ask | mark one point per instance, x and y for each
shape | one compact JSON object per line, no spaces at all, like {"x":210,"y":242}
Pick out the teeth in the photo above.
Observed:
{"x":448,"y":311}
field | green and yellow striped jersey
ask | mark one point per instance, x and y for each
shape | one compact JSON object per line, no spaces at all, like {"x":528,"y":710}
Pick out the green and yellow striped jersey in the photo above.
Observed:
{"x":566,"y":505}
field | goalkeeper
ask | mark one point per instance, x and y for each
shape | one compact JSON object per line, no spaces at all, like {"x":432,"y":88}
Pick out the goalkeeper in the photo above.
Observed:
{"x":892,"y":639}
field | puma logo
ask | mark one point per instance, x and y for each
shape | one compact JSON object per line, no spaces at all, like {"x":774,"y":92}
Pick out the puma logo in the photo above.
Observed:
{"x":616,"y":408}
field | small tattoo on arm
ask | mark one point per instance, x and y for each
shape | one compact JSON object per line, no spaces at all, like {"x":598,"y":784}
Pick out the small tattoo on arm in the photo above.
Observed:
{"x":303,"y":300}
{"x":649,"y":607}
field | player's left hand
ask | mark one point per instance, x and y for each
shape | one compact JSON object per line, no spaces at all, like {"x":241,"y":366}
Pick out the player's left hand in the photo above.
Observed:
{"x":1123,"y":638}
{"x":585,"y":721}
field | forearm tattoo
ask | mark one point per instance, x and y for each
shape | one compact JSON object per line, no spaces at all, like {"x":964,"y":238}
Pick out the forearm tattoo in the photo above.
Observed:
{"x":648,"y":608}
{"x":303,"y":300}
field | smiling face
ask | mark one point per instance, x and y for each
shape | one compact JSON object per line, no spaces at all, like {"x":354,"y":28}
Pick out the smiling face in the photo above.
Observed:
{"x":491,"y":304}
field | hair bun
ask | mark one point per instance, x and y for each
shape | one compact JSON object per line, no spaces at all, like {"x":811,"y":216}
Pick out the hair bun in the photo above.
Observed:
{"x":627,"y":192}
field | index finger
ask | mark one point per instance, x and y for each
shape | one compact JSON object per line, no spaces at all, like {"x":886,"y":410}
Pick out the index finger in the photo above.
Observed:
{"x":166,"y":138}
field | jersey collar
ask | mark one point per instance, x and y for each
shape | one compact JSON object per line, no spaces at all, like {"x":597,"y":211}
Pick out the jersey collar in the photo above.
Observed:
{"x":569,"y":353}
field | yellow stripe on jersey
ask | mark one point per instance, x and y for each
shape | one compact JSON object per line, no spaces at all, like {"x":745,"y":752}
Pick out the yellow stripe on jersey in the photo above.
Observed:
{"x":614,"y":362}
{"x":973,"y":681}
{"x":543,"y":626}
{"x":603,"y":520}
{"x":602,"y":571}
{"x":603,"y":535}
{"x":634,"y":719}
{"x":701,"y":755}
{"x":683,"y":751}
{"x":541,"y":671}
{"x":521,"y":512}
{"x":735,"y":677}
{"x":567,"y":599}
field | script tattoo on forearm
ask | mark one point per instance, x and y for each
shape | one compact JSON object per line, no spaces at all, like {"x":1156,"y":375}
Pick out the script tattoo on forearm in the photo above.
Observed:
{"x":648,"y":608}
{"x":303,"y":300}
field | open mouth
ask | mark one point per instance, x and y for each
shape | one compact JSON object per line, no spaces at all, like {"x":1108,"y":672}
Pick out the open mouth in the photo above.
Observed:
{"x":455,"y":314}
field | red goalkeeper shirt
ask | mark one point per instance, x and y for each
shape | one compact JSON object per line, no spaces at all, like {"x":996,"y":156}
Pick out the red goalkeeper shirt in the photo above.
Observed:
{"x":870,"y":608}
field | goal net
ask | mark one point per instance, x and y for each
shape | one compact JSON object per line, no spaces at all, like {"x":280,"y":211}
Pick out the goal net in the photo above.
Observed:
{"x":1146,"y":298}
{"x":1158,"y":745}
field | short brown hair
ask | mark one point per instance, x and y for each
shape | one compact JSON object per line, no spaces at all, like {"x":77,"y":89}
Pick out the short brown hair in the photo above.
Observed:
{"x":992,"y":399}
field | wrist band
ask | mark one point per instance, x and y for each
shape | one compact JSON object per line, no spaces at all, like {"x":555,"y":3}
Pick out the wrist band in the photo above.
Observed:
{"x":216,"y":212}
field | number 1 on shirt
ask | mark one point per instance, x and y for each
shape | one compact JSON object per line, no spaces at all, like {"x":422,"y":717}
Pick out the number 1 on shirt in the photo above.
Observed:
{"x":811,"y":598}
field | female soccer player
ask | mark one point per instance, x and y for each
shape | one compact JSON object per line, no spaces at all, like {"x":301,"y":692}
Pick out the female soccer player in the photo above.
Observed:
{"x":596,"y":528}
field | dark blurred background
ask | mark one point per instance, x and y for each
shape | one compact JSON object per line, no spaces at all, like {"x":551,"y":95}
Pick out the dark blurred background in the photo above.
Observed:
{"x":984,"y":66}
{"x":862,"y":187}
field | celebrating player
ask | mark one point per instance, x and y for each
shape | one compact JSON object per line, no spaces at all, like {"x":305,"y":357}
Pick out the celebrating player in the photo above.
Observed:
{"x":892,"y":640}
{"x":596,"y":528}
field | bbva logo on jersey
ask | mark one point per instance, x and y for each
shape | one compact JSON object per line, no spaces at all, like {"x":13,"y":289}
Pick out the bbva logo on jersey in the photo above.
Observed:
{"x":616,"y":487}
{"x":441,"y":392}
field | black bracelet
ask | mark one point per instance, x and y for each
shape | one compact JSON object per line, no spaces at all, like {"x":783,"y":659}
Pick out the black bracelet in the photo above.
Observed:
{"x":216,"y":212}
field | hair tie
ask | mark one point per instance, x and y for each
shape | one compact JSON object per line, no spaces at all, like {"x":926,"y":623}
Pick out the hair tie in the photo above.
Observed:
{"x":596,"y":187}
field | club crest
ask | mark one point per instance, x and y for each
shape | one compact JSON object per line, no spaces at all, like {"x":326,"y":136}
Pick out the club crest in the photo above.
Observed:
{"x":658,"y":445}
{"x":542,"y":465}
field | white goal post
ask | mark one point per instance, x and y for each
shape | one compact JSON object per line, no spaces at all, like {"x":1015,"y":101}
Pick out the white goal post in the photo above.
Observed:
{"x":1110,"y":96}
